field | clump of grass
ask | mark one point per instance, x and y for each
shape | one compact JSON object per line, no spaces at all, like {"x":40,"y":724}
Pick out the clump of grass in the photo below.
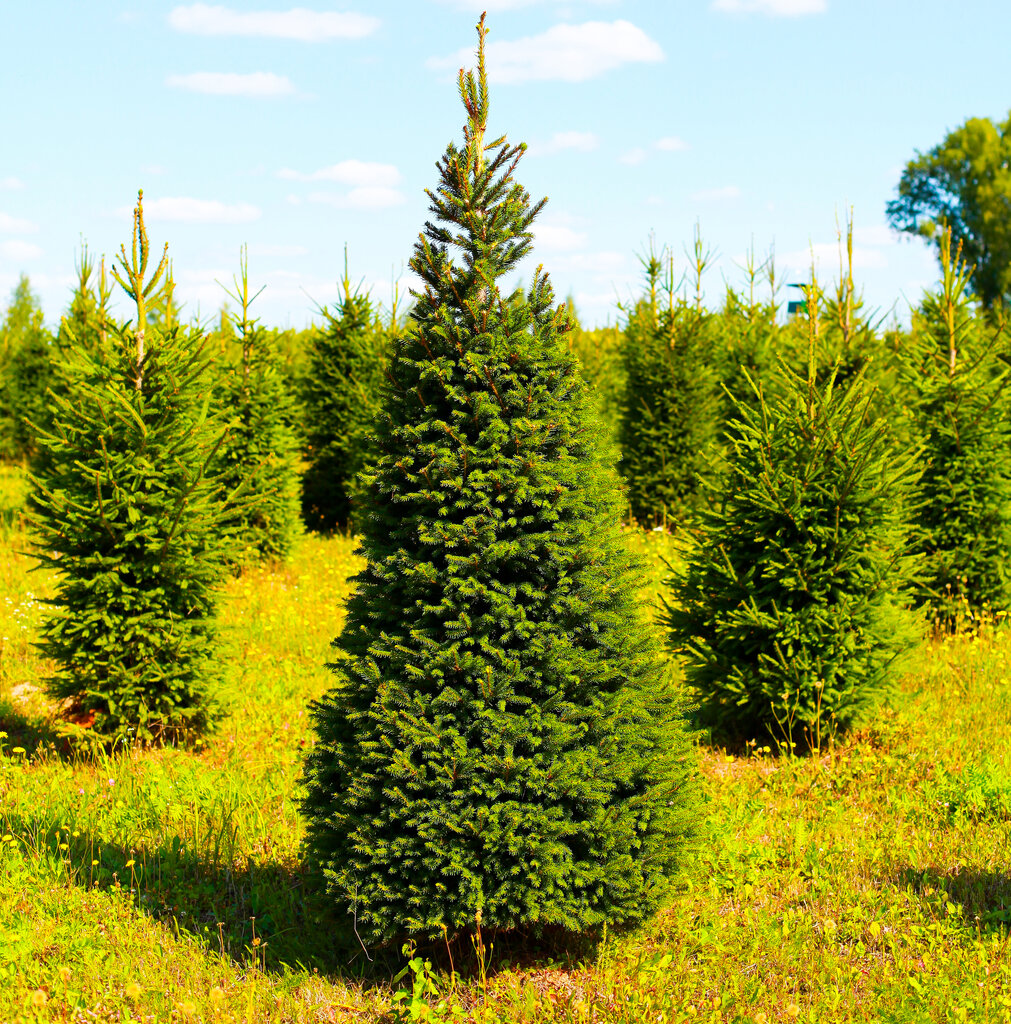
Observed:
{"x":981,"y":790}
{"x":13,"y":497}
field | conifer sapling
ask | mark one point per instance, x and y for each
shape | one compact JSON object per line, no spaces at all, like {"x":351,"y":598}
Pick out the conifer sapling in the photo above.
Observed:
{"x":128,"y":521}
{"x":670,"y":412}
{"x":788,"y":611}
{"x":259,"y":456}
{"x":340,"y":399}
{"x":956,"y":387}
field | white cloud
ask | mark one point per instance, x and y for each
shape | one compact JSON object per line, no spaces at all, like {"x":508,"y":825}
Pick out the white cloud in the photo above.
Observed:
{"x":349,"y":172}
{"x":16,"y":250}
{"x":298,"y":23}
{"x":224,"y":83}
{"x":602,"y":264}
{"x":568,"y":53}
{"x":772,"y":8}
{"x":582,"y":142}
{"x":11,"y":182}
{"x":15,"y":225}
{"x":365,"y":197}
{"x":875,"y":234}
{"x":283,"y":251}
{"x":716,"y":194}
{"x":187,"y":210}
{"x":558,"y":238}
{"x":493,"y":6}
{"x":826,"y":259}
{"x":667,"y":144}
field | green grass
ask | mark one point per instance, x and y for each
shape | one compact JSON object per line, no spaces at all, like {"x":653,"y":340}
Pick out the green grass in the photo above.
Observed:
{"x":870,"y":883}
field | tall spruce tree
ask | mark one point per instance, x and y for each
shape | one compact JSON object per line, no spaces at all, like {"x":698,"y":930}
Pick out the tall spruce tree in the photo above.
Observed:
{"x":670,"y":411}
{"x":504,"y":745}
{"x":788,"y":611}
{"x":260,"y":453}
{"x":340,"y":402}
{"x":955,"y":384}
{"x":131,"y":526}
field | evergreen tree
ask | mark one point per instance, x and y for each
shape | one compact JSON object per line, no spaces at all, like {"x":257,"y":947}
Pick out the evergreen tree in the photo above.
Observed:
{"x":25,"y":371}
{"x":748,"y":330}
{"x":850,"y":335}
{"x":80,"y":324}
{"x":260,"y":453}
{"x":788,"y":610}
{"x":504,"y":745}
{"x":340,"y":402}
{"x":670,"y":413}
{"x":599,"y":352}
{"x":85,"y":325}
{"x":128,"y":522}
{"x":955,"y":390}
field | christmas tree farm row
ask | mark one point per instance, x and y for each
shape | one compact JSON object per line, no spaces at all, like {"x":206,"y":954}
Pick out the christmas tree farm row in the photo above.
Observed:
{"x":507,"y":742}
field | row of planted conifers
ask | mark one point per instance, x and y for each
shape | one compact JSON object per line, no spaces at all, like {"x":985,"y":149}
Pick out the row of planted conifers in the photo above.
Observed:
{"x":506,"y":740}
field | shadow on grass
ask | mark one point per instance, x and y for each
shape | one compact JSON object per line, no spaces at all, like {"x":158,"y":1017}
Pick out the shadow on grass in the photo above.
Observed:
{"x":272,"y":913}
{"x":262,"y":912}
{"x":31,"y":731}
{"x":984,"y":896}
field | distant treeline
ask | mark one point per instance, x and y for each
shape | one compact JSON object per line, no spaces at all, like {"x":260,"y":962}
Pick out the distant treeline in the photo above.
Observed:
{"x":669,"y":380}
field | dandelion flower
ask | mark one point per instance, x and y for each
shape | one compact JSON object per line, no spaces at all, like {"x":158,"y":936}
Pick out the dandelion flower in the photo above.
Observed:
{"x":133,"y":991}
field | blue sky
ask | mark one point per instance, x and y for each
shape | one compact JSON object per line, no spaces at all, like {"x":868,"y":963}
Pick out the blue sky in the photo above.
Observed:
{"x":299,"y":130}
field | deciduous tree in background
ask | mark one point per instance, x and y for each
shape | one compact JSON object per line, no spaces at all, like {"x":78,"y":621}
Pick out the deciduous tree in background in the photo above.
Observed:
{"x":963,"y":185}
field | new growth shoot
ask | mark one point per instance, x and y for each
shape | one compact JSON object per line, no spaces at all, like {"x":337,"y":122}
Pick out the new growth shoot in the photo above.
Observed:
{"x":139,"y":290}
{"x":242,"y":320}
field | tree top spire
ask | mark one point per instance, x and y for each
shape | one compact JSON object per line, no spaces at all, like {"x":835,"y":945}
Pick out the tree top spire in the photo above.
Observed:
{"x":474,"y":93}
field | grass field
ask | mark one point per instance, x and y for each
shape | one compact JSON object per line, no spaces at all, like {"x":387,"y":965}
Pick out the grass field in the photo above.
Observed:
{"x":870,"y":883}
